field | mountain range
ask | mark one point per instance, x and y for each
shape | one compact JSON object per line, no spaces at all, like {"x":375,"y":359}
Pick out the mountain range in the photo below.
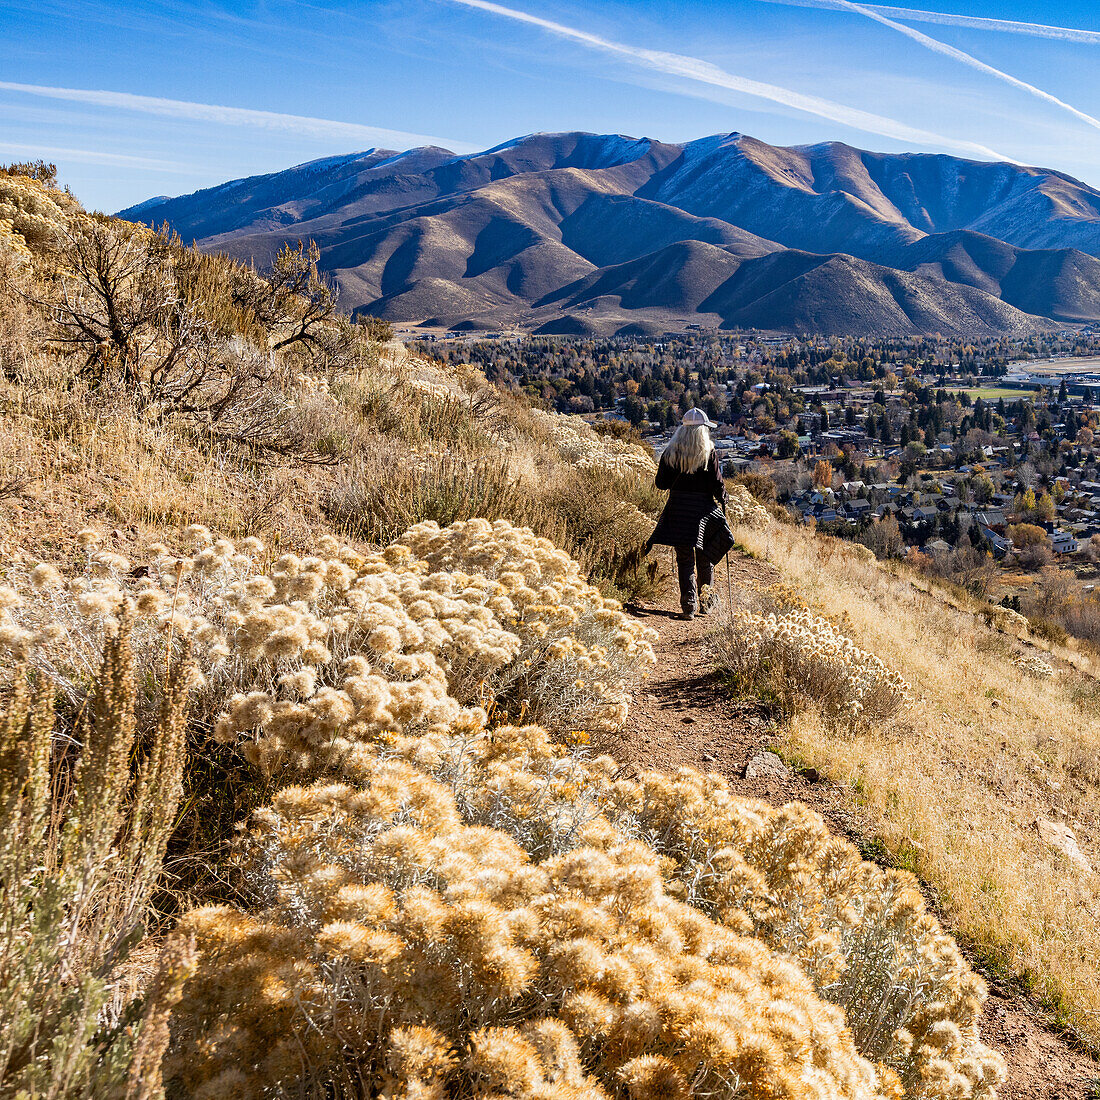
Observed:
{"x":587,"y":233}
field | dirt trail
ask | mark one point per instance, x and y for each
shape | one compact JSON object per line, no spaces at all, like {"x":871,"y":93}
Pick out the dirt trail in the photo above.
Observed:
{"x":682,"y":715}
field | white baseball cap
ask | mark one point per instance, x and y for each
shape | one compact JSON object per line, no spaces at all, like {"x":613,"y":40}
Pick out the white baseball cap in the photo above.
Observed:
{"x":695,"y":417}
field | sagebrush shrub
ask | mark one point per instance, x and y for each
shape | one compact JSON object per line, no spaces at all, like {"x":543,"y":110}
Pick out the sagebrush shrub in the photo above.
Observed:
{"x":743,"y":509}
{"x":478,"y":879}
{"x":1034,"y":666}
{"x":579,"y":651}
{"x":303,"y":655}
{"x":455,"y":906}
{"x":386,"y":912}
{"x":582,"y":447}
{"x":803,"y":657}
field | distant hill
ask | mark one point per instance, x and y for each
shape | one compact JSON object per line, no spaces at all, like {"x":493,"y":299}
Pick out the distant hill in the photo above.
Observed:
{"x":596,"y":233}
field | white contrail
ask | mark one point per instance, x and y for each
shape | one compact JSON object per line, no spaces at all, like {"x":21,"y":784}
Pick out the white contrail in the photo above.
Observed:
{"x":949,"y":19}
{"x":937,"y":46}
{"x":90,"y":156}
{"x":694,"y":68}
{"x":237,"y":116}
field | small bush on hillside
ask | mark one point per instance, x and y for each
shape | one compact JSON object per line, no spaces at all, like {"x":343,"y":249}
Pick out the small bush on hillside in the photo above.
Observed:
{"x":804,"y":660}
{"x":586,"y":449}
{"x":621,"y":430}
{"x":1036,"y":556}
{"x":375,"y":328}
{"x":38,"y":170}
{"x":83,"y":831}
{"x":760,"y":486}
{"x":140,"y":314}
{"x":1034,"y":666}
{"x":743,"y":509}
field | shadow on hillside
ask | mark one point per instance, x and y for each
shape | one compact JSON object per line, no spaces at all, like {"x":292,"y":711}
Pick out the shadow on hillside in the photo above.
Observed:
{"x":640,"y":612}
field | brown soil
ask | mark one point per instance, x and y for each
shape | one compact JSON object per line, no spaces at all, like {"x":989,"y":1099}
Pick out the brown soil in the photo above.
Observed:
{"x":683,"y":715}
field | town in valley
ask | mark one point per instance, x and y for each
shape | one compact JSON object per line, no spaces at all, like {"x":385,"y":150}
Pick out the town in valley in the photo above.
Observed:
{"x":978,"y":460}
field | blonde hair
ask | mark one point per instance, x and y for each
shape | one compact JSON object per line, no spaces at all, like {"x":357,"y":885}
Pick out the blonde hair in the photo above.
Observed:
{"x":689,"y":449}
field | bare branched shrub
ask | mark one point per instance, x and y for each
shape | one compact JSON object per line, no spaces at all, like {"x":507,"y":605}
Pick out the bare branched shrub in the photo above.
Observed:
{"x":293,"y":303}
{"x":116,"y":304}
{"x":38,"y":170}
{"x":148,"y":318}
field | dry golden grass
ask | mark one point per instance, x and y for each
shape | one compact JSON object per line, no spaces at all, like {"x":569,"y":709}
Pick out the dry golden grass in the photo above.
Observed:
{"x":416,"y":446}
{"x":957,"y":783}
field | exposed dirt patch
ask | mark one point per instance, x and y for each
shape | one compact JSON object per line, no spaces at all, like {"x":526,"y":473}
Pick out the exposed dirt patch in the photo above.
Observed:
{"x":682,"y":715}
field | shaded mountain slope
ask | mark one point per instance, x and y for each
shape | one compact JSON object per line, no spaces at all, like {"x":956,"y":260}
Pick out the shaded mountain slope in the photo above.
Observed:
{"x":1060,"y":283}
{"x":789,"y":290}
{"x":586,"y":230}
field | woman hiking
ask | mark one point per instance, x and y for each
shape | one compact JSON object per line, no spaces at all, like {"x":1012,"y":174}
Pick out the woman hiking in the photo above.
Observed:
{"x":693,"y":521}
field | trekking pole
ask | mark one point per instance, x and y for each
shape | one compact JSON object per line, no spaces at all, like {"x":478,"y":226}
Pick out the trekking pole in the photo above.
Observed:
{"x":729,"y":580}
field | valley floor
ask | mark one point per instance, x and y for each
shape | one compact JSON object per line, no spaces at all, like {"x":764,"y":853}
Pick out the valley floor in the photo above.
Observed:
{"x":682,"y":715}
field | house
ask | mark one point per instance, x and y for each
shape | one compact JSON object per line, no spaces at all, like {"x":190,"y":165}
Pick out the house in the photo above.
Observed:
{"x":858,"y":508}
{"x":919,"y":514}
{"x":992,"y":517}
{"x":735,"y":465}
{"x":938,"y":546}
{"x":997,"y":543}
{"x":1063,"y":542}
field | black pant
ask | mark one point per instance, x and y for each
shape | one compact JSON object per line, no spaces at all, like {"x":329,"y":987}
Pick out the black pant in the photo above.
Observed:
{"x":688,"y":562}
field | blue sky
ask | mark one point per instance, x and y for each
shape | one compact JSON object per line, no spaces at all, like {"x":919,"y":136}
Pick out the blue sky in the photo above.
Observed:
{"x":143,"y":97}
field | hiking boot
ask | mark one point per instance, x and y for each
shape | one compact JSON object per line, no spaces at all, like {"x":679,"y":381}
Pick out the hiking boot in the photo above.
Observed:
{"x":687,"y":616}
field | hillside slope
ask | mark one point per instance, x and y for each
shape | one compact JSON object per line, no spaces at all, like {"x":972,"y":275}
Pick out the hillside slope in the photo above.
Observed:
{"x":510,"y":236}
{"x":420,"y":892}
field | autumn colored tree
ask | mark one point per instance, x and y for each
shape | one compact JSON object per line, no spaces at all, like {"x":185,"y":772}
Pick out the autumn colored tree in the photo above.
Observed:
{"x":1024,"y":503}
{"x":1024,"y":535}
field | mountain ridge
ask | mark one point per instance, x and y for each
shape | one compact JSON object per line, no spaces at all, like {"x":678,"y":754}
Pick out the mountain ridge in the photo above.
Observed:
{"x":509,"y":237}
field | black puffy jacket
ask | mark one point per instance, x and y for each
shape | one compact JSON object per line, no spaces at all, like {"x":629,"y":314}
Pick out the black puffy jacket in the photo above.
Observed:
{"x":694,"y":502}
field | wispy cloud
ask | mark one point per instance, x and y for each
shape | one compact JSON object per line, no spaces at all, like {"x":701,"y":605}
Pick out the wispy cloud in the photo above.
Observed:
{"x":91,"y":156}
{"x":302,"y":125}
{"x":949,"y":19}
{"x":704,"y":72}
{"x":939,"y":47}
